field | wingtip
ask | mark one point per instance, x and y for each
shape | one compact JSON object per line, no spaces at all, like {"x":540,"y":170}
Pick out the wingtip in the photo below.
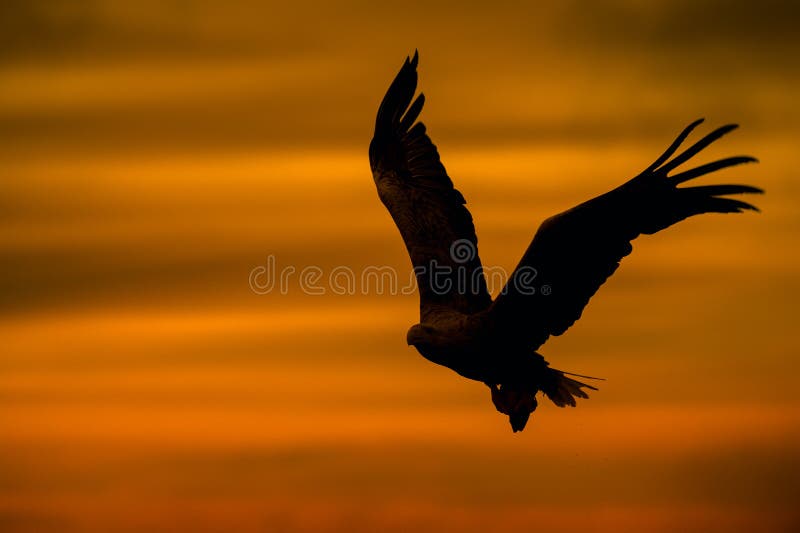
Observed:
{"x":748,"y":189}
{"x":411,"y":62}
{"x":744,"y":159}
{"x":741,"y":207}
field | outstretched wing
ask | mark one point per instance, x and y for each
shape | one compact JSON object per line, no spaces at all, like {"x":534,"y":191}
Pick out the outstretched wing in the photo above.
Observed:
{"x":430,"y":214}
{"x":573,"y":253}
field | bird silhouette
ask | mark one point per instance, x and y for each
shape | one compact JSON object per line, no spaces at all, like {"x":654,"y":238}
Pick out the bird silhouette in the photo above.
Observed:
{"x":570,"y":257}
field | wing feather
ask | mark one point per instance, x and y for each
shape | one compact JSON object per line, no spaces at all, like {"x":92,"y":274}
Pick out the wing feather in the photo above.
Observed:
{"x":429,"y":212}
{"x":575,"y":252}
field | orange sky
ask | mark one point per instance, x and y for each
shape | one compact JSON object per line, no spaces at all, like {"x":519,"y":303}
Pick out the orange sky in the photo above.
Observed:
{"x":154,"y":153}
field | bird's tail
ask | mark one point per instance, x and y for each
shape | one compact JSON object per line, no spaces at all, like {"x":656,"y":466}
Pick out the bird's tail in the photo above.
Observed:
{"x":563,"y":390}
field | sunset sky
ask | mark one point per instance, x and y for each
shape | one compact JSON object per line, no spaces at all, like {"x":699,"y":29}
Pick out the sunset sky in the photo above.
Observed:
{"x":154,"y":153}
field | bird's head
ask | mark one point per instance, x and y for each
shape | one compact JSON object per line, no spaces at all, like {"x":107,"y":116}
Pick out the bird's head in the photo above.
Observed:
{"x":421,"y":334}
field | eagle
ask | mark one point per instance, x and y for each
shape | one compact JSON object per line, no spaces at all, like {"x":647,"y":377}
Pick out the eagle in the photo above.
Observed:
{"x":571,"y":255}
